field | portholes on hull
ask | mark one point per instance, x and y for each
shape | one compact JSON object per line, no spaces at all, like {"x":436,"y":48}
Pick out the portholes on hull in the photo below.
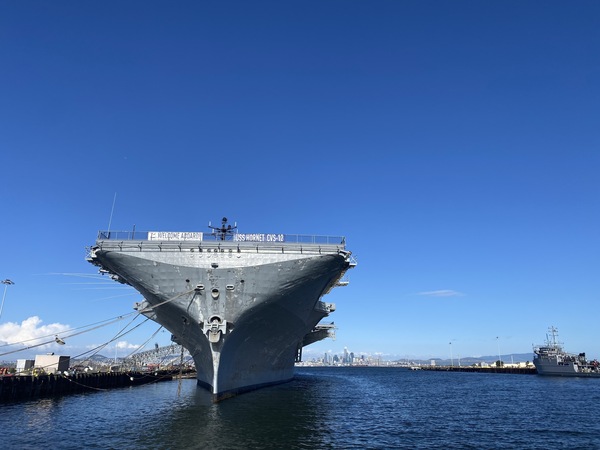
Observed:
{"x":215,"y":293}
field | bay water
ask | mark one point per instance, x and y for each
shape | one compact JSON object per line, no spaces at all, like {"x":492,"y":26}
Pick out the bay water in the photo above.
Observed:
{"x":322,"y":408}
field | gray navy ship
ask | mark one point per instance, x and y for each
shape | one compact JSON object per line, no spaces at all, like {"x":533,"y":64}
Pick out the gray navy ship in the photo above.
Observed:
{"x":551,"y":359}
{"x":243,"y":304}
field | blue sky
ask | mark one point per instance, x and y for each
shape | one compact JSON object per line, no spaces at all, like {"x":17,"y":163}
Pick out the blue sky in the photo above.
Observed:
{"x":454,"y":144}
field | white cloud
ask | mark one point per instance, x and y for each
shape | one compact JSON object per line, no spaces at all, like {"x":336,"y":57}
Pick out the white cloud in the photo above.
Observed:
{"x":32,"y":336}
{"x":127,"y":345}
{"x":29,"y":336}
{"x":30,"y":331}
{"x":441,"y":293}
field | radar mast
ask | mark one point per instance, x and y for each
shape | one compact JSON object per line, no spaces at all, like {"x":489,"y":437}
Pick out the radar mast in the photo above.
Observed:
{"x":222,"y":232}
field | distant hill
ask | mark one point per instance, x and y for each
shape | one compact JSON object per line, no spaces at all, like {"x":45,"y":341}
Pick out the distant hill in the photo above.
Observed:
{"x":96,"y":358}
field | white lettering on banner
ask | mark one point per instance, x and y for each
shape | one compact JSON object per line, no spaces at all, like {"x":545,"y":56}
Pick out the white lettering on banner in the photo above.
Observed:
{"x":174,"y":236}
{"x":258,"y":237}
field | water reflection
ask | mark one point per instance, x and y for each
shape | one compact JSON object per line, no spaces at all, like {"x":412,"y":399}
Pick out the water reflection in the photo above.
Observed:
{"x":283,"y":416}
{"x":39,"y":413}
{"x":329,"y":408}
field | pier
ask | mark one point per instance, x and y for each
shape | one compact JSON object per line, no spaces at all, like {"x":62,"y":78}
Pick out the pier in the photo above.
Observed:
{"x":489,"y":369}
{"x":30,"y":387}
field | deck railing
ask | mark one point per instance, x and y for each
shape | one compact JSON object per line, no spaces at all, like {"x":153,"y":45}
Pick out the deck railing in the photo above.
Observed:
{"x":252,"y":238}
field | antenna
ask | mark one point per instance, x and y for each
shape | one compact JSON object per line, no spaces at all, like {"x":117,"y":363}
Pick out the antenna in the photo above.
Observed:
{"x":112,"y":211}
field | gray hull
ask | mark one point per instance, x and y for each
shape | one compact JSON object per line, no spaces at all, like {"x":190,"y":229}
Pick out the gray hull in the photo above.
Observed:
{"x":548,"y":366}
{"x":243,"y":310}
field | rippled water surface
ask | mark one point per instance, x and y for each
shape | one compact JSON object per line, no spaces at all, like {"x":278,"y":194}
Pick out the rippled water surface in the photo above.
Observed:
{"x":377,"y":408}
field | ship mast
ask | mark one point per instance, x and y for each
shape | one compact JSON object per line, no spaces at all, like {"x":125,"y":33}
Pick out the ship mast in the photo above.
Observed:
{"x":554,"y":334}
{"x":222,"y":232}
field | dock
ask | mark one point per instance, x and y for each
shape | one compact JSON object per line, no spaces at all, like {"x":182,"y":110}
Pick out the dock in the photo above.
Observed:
{"x":489,"y":369}
{"x":29,"y":387}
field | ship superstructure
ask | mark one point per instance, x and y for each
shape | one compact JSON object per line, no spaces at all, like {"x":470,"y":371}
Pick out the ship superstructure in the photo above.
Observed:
{"x":242,"y":304}
{"x":551,"y":359}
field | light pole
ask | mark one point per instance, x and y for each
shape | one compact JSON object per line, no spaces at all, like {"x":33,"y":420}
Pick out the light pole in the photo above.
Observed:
{"x":6,"y":283}
{"x":451,"y":359}
{"x":498,"y":345}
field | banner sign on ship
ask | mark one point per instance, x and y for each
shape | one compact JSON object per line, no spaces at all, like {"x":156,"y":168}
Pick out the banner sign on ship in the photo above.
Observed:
{"x":258,"y":237}
{"x":174,"y":236}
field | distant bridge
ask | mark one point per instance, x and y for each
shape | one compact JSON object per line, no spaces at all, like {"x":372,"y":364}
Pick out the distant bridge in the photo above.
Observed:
{"x":166,"y":356}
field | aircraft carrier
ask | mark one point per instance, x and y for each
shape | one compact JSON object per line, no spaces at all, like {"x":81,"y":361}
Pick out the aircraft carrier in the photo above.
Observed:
{"x":243,"y":304}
